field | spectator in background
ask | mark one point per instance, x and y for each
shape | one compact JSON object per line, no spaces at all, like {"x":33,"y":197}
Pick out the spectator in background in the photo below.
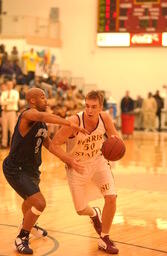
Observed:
{"x":7,"y":68}
{"x":9,"y":103}
{"x":112,"y":106}
{"x":20,"y":77}
{"x":165,"y":102}
{"x":127,"y":115}
{"x":160,"y":105}
{"x":22,"y":98}
{"x":14,"y":56}
{"x":31,"y":59}
{"x":138,"y":112}
{"x":149,"y":108}
{"x":127,"y":103}
{"x":3,"y":54}
{"x":36,"y":82}
{"x":105,"y":100}
{"x":2,"y":88}
{"x":63,"y":84}
{"x":110,"y":111}
{"x":53,"y":81}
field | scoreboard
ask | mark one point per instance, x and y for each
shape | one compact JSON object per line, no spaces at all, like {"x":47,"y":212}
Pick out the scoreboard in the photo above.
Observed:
{"x":132,"y":23}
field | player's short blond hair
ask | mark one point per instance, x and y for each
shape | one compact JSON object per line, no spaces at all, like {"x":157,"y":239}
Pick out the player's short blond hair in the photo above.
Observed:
{"x":95,"y":95}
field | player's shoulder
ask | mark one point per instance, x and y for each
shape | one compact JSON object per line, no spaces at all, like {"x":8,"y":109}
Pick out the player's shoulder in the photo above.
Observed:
{"x":27,"y":113}
{"x":104,"y":115}
{"x":106,"y":118}
{"x":29,"y":110}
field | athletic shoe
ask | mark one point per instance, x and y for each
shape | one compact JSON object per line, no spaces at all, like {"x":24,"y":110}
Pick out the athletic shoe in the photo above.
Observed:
{"x":38,"y":231}
{"x":22,"y":245}
{"x":96,"y":220}
{"x":107,"y":245}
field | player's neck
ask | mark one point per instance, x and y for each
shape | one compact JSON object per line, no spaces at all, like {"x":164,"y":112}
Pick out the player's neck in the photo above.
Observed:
{"x":91,"y":124}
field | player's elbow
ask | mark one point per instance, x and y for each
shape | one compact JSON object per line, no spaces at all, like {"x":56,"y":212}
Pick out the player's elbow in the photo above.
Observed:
{"x":54,"y":148}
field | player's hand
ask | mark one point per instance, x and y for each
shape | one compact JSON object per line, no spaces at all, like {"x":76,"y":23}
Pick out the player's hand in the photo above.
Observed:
{"x":77,"y":166}
{"x":79,"y":129}
{"x":117,"y":136}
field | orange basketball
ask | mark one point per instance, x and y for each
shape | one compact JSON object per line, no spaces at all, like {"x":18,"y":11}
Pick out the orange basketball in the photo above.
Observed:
{"x":113,"y":148}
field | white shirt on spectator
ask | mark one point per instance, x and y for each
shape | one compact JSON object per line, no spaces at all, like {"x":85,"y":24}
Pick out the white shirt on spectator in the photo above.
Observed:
{"x":9,"y":100}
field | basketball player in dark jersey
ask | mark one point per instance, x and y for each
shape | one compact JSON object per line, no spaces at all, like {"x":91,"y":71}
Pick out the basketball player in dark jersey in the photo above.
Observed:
{"x":21,"y":166}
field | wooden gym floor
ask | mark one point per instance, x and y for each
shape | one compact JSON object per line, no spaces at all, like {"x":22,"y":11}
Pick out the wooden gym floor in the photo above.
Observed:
{"x":140,"y":224}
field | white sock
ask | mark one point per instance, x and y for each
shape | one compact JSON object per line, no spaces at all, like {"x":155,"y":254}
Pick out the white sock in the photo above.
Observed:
{"x":94,"y":214}
{"x":104,"y":234}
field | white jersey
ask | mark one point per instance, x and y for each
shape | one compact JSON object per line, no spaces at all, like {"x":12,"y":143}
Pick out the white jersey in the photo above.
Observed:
{"x":87,"y":147}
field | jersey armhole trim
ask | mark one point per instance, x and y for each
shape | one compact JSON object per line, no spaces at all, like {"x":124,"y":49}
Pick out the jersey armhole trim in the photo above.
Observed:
{"x":103,"y":123}
{"x":73,"y":136}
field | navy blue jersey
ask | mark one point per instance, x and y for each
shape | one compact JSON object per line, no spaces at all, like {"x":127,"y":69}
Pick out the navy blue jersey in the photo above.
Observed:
{"x":25,"y":152}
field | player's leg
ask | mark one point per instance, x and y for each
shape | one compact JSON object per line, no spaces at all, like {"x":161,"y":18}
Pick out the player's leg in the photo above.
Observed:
{"x":33,"y":192}
{"x":89,"y":211}
{"x":83,"y":209}
{"x":108,"y":212}
{"x":37,"y":205}
{"x":77,"y":184}
{"x":95,"y":214}
{"x":103,"y":178}
{"x":34,"y":204}
{"x":36,"y":229}
{"x":78,"y":187}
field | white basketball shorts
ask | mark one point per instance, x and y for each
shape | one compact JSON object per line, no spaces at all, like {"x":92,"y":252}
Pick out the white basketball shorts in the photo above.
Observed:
{"x":95,"y":182}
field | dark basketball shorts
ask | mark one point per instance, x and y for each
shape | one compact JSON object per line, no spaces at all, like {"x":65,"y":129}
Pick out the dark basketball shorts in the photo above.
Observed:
{"x":24,"y":184}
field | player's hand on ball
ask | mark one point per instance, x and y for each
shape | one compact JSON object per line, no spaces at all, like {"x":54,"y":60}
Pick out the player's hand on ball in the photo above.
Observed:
{"x":113,"y":148}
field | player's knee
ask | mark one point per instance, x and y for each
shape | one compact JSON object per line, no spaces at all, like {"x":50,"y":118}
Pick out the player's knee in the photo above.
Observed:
{"x":81,"y":212}
{"x":110,"y":200}
{"x":40,"y":205}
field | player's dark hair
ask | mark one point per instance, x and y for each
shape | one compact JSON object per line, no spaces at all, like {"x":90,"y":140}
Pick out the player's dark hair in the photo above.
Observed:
{"x":95,"y":95}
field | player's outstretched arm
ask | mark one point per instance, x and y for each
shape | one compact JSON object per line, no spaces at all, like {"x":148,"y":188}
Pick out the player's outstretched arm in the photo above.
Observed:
{"x":35,"y":115}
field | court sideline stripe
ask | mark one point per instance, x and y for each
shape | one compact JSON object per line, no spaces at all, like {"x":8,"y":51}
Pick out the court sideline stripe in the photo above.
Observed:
{"x":93,"y":237}
{"x":56,"y":244}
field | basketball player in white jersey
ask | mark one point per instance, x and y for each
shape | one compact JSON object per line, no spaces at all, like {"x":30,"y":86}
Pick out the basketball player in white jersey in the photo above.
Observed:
{"x":86,"y":149}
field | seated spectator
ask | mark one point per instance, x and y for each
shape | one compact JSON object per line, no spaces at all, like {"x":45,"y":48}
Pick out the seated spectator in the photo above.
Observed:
{"x":3,"y":54}
{"x":19,"y":76}
{"x":63,"y":84}
{"x":7,"y":68}
{"x":53,"y":80}
{"x":36,"y":82}
{"x":14,"y":56}
{"x":22,"y":97}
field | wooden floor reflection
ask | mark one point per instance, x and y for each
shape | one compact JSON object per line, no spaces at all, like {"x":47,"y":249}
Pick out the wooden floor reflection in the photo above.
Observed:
{"x":140,"y":224}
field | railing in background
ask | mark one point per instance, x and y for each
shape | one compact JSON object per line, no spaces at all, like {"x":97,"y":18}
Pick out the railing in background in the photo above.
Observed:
{"x":36,"y":30}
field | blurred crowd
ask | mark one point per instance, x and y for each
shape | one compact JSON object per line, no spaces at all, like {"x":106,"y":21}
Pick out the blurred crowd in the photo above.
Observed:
{"x":143,"y":111}
{"x":33,"y":69}
{"x":19,"y":72}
